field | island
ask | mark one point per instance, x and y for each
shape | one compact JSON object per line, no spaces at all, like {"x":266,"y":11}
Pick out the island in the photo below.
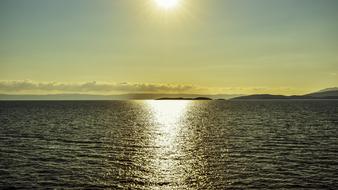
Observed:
{"x":181,"y":98}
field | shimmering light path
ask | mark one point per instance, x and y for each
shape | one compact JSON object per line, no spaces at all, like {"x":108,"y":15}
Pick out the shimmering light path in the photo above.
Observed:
{"x":169,"y":117}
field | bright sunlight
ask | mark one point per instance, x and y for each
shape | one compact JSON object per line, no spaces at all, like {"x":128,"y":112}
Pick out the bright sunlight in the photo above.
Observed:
{"x":167,"y":4}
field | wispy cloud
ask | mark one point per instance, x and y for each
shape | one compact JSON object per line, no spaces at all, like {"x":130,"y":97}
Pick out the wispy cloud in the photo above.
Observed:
{"x":34,"y":87}
{"x":94,"y":87}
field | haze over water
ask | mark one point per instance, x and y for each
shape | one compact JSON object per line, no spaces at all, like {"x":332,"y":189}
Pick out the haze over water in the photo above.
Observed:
{"x":169,"y":144}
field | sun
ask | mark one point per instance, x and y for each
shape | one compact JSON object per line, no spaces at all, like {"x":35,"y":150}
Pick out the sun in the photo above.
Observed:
{"x":167,"y":4}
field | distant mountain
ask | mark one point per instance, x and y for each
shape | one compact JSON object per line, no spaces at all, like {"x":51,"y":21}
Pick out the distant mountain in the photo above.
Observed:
{"x":329,"y":89}
{"x":324,"y":94}
{"x":331,"y":93}
{"x":111,"y":97}
{"x":261,"y":96}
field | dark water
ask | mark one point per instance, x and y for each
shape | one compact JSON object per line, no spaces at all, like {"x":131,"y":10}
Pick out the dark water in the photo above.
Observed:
{"x":169,"y":145}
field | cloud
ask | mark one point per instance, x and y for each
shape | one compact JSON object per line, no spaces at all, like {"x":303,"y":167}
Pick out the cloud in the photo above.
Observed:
{"x":34,"y":87}
{"x":94,"y":87}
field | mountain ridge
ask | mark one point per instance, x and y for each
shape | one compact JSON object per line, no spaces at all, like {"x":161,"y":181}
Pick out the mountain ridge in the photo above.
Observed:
{"x":322,"y":94}
{"x":328,"y":93}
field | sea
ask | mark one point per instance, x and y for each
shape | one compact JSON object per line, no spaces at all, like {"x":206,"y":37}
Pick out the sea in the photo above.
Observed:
{"x":169,"y":144}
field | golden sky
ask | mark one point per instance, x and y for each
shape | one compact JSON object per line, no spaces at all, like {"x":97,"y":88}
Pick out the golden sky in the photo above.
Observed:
{"x":196,"y":46}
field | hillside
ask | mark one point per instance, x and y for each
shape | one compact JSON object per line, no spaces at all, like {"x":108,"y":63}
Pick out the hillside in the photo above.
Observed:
{"x":322,"y":94}
{"x":325,"y":94}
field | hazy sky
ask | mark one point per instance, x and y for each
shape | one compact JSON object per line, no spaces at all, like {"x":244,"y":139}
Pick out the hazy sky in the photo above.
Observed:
{"x":201,"y":46}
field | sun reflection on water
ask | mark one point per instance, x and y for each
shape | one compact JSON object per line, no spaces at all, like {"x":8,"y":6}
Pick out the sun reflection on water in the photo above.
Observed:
{"x":168,"y":119}
{"x":167,"y":113}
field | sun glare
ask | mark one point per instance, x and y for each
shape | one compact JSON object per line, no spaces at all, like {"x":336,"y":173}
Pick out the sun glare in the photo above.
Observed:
{"x":167,"y":4}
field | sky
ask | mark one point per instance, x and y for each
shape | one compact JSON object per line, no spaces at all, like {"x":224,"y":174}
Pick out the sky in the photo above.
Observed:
{"x":200,"y":46}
